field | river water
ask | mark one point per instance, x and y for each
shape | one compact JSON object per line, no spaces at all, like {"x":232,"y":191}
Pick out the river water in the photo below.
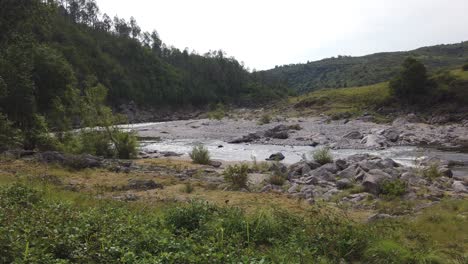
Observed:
{"x":220,"y":150}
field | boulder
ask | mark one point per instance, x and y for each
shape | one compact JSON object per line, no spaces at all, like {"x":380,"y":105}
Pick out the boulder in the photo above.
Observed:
{"x":279,"y":132}
{"x":353,"y":135}
{"x":391,"y":134}
{"x":445,"y":171}
{"x":348,"y":173}
{"x":276,"y":157}
{"x":374,"y":141}
{"x":323,"y":173}
{"x":245,"y":139}
{"x":459,"y":187}
{"x":373,"y":180}
{"x":341,"y":164}
{"x":215,"y":163}
{"x":139,"y":184}
{"x":344,"y":184}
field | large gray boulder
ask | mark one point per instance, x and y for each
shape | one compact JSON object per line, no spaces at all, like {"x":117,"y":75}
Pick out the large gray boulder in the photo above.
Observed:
{"x":373,"y":180}
{"x":353,"y":135}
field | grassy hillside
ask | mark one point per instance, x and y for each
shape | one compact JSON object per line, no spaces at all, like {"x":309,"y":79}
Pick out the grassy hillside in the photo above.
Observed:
{"x":346,"y":71}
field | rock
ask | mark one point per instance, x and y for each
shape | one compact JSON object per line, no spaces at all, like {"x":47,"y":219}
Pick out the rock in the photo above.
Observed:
{"x":220,"y":146}
{"x":373,"y":141}
{"x":413,"y":118}
{"x":373,"y":180}
{"x":344,"y":184}
{"x":445,"y":171}
{"x":271,"y":188}
{"x":323,"y":173}
{"x":459,"y":187}
{"x":137,"y":184}
{"x":311,"y":180}
{"x":299,"y":169}
{"x":330,"y":193}
{"x":170,"y":154}
{"x":294,"y":188}
{"x":278,"y":167}
{"x":279,"y":132}
{"x":348,"y":173}
{"x":331,"y":167}
{"x":391,"y":134}
{"x":379,"y":216}
{"x":276,"y":157}
{"x":245,"y":139}
{"x":73,"y":161}
{"x":215,"y":163}
{"x":354,"y":135}
{"x":366,"y":118}
{"x":341,"y":164}
{"x":307,"y":192}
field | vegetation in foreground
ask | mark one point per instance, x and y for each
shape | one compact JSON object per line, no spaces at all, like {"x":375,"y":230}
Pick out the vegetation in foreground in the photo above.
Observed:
{"x":43,"y":225}
{"x":42,"y":222}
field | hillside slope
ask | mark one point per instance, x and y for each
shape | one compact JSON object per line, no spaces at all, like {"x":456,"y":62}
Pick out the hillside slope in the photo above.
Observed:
{"x":346,"y":71}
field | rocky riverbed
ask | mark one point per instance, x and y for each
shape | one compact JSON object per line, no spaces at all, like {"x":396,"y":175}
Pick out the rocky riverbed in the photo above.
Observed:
{"x":312,"y":131}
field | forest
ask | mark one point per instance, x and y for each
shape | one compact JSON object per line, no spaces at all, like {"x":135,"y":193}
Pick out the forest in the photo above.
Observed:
{"x":53,"y":51}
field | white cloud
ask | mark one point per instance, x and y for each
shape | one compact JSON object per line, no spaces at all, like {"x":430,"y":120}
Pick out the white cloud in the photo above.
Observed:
{"x":267,"y":33}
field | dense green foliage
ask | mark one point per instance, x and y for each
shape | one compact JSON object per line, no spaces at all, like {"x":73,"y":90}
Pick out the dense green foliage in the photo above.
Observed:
{"x":347,"y":71}
{"x":411,"y":84}
{"x":53,"y":53}
{"x":41,"y":227}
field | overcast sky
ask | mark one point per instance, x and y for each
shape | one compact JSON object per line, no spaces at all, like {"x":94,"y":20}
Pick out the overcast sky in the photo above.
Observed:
{"x":265,"y":33}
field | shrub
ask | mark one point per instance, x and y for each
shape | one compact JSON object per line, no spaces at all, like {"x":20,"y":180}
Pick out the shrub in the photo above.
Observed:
{"x":277,"y":179}
{"x":387,"y":252}
{"x":200,"y":155}
{"x":218,"y":113}
{"x":126,"y":145}
{"x":237,"y":176}
{"x":96,"y":143}
{"x":187,"y":188}
{"x":394,"y":188}
{"x":431,"y":172}
{"x":322,"y":156}
{"x":189,"y":217}
{"x":465,"y":67}
{"x":264,"y":119}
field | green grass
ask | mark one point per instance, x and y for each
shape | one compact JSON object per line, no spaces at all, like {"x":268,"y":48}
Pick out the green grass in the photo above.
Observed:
{"x":43,"y":223}
{"x":345,"y":101}
{"x":461,"y":74}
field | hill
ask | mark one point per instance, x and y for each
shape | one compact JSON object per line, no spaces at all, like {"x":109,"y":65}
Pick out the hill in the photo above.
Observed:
{"x":347,"y":71}
{"x":53,"y":51}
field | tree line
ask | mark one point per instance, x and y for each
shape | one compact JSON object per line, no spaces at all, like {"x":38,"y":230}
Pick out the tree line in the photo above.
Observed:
{"x":52,"y":52}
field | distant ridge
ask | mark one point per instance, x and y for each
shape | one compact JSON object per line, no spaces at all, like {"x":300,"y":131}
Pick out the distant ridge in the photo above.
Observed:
{"x":347,"y":71}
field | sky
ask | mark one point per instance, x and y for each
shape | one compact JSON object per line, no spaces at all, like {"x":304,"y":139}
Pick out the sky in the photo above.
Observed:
{"x":266,"y":33}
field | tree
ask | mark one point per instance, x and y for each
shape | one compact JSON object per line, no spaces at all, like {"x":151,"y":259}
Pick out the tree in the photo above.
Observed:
{"x":412,"y":82}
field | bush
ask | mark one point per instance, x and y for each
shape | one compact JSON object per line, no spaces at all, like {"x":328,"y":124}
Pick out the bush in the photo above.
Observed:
{"x":200,"y":155}
{"x":465,"y":67}
{"x":393,"y":189}
{"x":237,"y":176}
{"x":126,"y":145}
{"x":277,"y":179}
{"x":431,"y":172}
{"x":322,"y":156}
{"x":95,"y":143}
{"x":264,"y":119}
{"x":189,"y":217}
{"x":218,"y":113}
{"x":187,"y":188}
